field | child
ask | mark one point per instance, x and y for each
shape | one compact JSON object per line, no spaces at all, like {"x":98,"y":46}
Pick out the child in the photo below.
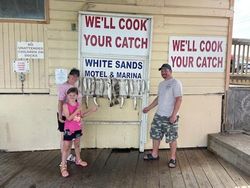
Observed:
{"x":72,"y":129}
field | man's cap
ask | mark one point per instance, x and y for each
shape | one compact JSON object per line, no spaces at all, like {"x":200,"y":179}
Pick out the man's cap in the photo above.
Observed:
{"x":166,"y":66}
{"x":74,"y":72}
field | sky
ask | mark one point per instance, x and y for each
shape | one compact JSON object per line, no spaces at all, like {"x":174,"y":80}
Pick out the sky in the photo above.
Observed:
{"x":241,"y":23}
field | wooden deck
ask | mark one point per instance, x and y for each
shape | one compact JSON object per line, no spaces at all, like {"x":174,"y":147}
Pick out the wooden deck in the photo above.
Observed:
{"x":119,"y":168}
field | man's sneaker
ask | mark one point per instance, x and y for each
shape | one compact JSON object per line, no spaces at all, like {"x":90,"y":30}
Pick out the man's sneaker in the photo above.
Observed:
{"x":71,"y":158}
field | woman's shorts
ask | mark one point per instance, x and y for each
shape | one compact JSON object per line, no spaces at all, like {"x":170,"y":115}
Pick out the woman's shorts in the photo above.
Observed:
{"x":161,"y":126}
{"x":60,"y":124}
{"x":69,"y":136}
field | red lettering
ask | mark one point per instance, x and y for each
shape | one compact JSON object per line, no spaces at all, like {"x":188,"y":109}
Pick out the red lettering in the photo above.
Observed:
{"x":219,"y":46}
{"x":182,"y":61}
{"x":93,"y":40}
{"x":191,"y":47}
{"x":89,"y":20}
{"x":197,"y":62}
{"x":144,"y":43}
{"x":132,"y":24}
{"x":131,"y":42}
{"x":174,"y":62}
{"x":179,"y":45}
{"x":143,"y":25}
{"x":214,"y":46}
{"x":108,"y":41}
{"x":117,"y":42}
{"x":97,"y":22}
{"x":86,"y":37}
{"x":125,"y":42}
{"x":108,"y":22}
{"x":129,"y":24}
{"x":176,"y":44}
{"x":214,"y":62}
{"x":137,"y":42}
{"x":220,"y":62}
{"x":136,"y":24}
{"x":121,"y":21}
{"x":209,"y":62}
{"x":208,"y":46}
{"x":182,"y":48}
{"x":101,"y":41}
{"x":202,"y":46}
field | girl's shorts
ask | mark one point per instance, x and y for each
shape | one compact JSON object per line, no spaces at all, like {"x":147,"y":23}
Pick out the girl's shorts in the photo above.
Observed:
{"x":69,"y":136}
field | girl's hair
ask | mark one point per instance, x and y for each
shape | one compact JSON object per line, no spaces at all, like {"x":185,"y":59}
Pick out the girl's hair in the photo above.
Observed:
{"x":72,"y":90}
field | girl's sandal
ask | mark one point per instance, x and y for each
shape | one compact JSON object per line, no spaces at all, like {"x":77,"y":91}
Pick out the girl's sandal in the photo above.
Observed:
{"x":81,"y":163}
{"x":64,"y":171}
{"x":172,"y":163}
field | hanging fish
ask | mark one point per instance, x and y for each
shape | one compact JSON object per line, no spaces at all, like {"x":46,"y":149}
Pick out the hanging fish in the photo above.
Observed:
{"x":94,"y":91}
{"x":131,"y":87}
{"x":93,"y":85}
{"x":123,"y":91}
{"x":84,"y":82}
{"x":138,"y":82}
{"x":127,"y":88}
{"x":116,"y":91}
{"x":109,"y":87}
{"x":143,"y":86}
{"x":95,"y":101}
{"x":122,"y":101}
{"x":88,"y":85}
{"x":87,"y":101}
{"x":101,"y":87}
{"x":135,"y":102}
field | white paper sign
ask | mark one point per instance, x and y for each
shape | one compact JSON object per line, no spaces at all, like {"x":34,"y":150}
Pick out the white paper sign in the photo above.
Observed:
{"x":117,"y":35}
{"x":30,"y":50}
{"x":61,"y":75}
{"x":117,"y":68}
{"x":197,"y":54}
{"x":21,"y":66}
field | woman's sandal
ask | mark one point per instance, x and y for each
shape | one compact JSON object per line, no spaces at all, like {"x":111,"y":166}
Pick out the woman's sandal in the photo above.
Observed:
{"x":64,"y":171}
{"x":81,"y":163}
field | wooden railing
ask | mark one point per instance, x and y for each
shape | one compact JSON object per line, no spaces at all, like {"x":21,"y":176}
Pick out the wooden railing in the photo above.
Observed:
{"x":240,"y":62}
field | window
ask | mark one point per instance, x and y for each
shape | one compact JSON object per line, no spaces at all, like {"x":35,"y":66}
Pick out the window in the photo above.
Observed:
{"x":24,"y":10}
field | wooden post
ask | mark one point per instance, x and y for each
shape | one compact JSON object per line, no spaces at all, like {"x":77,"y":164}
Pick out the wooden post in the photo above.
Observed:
{"x":228,"y":62}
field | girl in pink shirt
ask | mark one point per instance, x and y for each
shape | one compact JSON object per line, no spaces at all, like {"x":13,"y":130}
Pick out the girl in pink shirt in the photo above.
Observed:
{"x":72,"y":129}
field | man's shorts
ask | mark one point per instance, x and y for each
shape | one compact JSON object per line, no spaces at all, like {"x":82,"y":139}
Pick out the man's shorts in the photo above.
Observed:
{"x":161,"y":126}
{"x":69,"y":136}
{"x":60,"y":124}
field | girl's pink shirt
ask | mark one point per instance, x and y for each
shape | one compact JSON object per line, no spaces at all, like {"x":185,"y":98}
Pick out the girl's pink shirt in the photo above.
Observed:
{"x":75,"y":123}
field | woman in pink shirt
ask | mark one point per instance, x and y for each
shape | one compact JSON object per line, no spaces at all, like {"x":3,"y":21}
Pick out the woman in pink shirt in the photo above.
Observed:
{"x":72,"y":129}
{"x":73,"y":77}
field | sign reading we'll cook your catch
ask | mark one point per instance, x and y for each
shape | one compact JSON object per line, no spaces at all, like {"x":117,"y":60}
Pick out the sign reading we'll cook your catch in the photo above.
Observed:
{"x":197,"y":54}
{"x":114,"y":45}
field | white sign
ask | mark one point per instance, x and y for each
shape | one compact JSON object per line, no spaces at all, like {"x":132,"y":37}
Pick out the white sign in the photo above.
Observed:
{"x":30,"y":50}
{"x":61,"y":75}
{"x":197,"y":54}
{"x":118,"y":34}
{"x":104,"y":68}
{"x":21,"y":66}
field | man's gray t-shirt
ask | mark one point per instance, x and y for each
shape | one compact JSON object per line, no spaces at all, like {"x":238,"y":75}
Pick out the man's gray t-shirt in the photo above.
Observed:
{"x":168,"y":90}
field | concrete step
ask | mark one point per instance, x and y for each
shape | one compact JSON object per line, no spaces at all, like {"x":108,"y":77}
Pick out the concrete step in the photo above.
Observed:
{"x":234,"y":148}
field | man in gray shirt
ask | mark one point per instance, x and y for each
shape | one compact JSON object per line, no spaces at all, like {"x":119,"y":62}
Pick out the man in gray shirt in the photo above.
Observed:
{"x":165,"y":121}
